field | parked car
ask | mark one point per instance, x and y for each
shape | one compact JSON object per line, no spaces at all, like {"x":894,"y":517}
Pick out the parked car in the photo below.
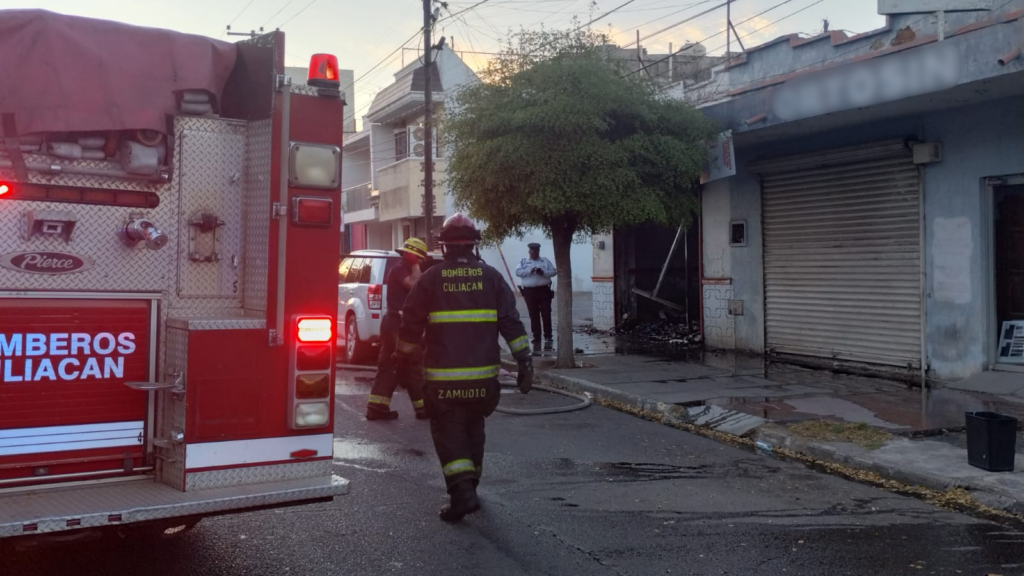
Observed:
{"x":362,"y":301}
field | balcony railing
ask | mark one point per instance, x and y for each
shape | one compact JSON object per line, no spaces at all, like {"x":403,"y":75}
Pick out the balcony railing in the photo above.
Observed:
{"x":357,"y":198}
{"x":401,"y":188}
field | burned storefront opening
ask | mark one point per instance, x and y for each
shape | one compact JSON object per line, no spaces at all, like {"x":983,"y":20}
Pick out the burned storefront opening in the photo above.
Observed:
{"x":657,"y":285}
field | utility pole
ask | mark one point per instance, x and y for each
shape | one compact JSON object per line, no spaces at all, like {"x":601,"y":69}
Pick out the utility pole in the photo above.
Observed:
{"x":428,"y":117}
{"x":728,"y":33}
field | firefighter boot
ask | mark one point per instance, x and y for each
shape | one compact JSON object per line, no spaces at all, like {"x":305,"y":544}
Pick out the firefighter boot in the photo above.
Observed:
{"x":536,"y":348}
{"x":463,"y":501}
{"x":375,"y":414}
{"x":549,"y":345}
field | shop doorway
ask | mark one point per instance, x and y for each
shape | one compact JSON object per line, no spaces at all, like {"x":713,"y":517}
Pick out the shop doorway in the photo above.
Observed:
{"x":1008,"y":273}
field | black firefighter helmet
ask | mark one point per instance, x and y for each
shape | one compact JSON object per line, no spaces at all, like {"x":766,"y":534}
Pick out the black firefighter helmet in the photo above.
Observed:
{"x":458,"y":229}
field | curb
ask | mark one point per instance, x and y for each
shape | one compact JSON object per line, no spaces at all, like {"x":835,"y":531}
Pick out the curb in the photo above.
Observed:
{"x":732,"y":427}
{"x":991,"y":498}
{"x":714,"y":418}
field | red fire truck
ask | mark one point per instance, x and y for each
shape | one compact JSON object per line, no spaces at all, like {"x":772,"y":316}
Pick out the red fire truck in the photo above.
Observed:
{"x":169,"y":218}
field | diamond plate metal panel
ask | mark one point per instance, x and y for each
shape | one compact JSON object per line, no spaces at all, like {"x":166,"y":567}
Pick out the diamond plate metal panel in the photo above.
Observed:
{"x":170,"y":410}
{"x":204,"y":323}
{"x":144,"y":500}
{"x":257,"y":214}
{"x":210,"y":182}
{"x":257,"y":475}
{"x":118,"y":267}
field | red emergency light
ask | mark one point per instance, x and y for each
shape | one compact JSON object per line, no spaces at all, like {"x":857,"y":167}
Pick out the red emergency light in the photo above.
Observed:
{"x":315,"y":330}
{"x":323,"y":71}
{"x":4,"y":188}
{"x":312,"y":211}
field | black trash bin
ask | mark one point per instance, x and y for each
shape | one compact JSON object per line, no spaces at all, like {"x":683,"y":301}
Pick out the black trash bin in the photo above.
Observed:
{"x":991,"y":441}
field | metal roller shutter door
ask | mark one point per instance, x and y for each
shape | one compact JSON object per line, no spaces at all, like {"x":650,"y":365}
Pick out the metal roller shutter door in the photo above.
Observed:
{"x":842,"y":255}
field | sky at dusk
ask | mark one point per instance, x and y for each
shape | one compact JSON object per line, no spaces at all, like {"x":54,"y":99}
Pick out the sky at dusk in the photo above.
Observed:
{"x":364,"y":33}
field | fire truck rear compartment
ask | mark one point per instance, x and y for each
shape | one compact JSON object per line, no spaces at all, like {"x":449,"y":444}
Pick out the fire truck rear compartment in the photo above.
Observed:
{"x":42,"y":511}
{"x":194,"y":416}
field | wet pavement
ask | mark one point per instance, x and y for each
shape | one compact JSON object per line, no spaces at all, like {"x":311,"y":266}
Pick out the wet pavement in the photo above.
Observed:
{"x":589,"y":492}
{"x":783,"y":393}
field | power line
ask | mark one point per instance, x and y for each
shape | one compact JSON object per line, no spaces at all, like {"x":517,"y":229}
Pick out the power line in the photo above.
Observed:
{"x":287,"y":4}
{"x":388,"y":57}
{"x":239,"y":15}
{"x":681,"y":22}
{"x":683,"y":9}
{"x":296,"y":15}
{"x":608,"y":13}
{"x":563,"y":9}
{"x":769,"y":25}
{"x":681,"y":50}
{"x":460,"y":12}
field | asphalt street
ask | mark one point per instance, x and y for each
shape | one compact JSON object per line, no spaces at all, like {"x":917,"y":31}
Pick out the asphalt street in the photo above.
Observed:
{"x":591,"y":492}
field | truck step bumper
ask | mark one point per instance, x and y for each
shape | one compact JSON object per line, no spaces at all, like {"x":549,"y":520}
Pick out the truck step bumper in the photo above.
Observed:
{"x":49,"y":510}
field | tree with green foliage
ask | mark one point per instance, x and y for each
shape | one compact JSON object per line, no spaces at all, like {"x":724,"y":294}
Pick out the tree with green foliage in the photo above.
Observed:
{"x":559,"y":135}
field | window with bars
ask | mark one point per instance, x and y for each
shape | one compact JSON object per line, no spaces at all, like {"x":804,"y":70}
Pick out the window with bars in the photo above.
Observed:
{"x":401,"y":145}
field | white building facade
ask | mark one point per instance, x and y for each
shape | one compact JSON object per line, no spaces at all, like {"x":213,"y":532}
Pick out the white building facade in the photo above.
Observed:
{"x":382,"y":173}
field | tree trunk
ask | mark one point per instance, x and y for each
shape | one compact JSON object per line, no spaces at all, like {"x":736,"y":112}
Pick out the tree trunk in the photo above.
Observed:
{"x":561,"y":239}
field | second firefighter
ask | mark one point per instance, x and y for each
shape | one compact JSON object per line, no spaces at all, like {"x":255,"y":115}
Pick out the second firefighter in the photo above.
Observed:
{"x":399,"y":282}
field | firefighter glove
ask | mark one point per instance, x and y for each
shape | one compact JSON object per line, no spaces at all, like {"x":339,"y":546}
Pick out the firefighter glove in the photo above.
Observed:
{"x":525,"y":378}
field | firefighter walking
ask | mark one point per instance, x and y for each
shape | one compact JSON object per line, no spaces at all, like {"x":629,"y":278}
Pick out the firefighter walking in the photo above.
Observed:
{"x":399,"y":282}
{"x":463,"y":305}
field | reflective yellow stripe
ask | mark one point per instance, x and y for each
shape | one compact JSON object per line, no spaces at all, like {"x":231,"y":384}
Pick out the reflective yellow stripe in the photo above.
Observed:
{"x":417,"y":404}
{"x":519,"y":344}
{"x":456,"y":374}
{"x":374,"y":399}
{"x":406,"y":347}
{"x":450,"y":316}
{"x":458,"y":467}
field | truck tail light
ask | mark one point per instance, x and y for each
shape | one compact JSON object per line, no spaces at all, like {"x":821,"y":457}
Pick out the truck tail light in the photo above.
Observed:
{"x":375,"y":296}
{"x":312,"y":415}
{"x":313,"y":386}
{"x":313,"y":358}
{"x":312,"y":211}
{"x":311,"y":373}
{"x":315,"y":330}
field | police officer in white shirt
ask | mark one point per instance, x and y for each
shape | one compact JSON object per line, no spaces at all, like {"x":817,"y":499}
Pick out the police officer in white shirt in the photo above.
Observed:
{"x":536,"y":274}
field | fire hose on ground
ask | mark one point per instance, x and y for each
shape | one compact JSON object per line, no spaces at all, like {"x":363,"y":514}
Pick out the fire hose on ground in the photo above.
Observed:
{"x":584,"y":401}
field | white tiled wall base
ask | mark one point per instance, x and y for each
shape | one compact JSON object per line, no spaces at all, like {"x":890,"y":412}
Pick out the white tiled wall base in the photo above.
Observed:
{"x":604,"y":304}
{"x":719,"y":325}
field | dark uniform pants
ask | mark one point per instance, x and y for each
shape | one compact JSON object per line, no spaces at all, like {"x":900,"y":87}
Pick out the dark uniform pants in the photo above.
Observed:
{"x":458,"y":432}
{"x":538,"y":302}
{"x":386,"y":381}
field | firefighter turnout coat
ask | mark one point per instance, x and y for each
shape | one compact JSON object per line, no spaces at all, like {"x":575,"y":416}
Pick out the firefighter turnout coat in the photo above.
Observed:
{"x":462,"y":305}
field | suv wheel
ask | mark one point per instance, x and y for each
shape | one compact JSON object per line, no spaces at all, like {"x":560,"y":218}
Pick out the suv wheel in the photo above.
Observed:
{"x":355,"y":351}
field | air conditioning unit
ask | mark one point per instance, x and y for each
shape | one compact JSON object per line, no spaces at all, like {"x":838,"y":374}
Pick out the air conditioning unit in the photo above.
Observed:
{"x":417,"y":146}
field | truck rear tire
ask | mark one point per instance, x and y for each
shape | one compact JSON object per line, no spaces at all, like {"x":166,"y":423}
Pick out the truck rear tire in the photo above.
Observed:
{"x":355,"y":351}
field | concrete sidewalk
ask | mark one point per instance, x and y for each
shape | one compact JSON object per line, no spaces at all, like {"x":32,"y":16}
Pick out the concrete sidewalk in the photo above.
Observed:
{"x":747,"y":397}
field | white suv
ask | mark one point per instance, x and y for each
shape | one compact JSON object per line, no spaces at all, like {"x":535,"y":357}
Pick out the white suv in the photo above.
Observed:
{"x":362,"y":300}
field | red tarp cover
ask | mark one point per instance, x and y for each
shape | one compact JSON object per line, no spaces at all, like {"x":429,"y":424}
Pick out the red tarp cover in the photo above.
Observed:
{"x":68,"y":74}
